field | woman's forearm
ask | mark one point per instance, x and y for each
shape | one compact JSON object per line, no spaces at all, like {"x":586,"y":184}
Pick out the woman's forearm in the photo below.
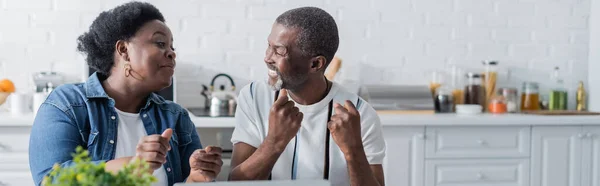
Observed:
{"x":117,"y":164}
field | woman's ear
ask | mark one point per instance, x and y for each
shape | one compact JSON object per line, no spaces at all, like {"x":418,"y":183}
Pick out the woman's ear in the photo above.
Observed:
{"x":318,"y":63}
{"x":121,"y":49}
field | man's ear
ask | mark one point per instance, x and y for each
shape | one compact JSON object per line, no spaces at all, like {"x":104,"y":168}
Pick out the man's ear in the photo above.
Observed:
{"x":121,"y":49}
{"x":318,"y":63}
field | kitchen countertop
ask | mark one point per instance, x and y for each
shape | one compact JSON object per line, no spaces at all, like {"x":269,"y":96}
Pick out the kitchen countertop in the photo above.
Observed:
{"x":7,"y":120}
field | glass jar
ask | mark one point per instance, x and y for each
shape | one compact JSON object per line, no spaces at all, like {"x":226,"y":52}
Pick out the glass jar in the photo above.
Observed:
{"x":474,"y":92}
{"x":443,"y":100}
{"x":530,"y":97}
{"x":490,"y":76}
{"x":457,"y":85}
{"x":511,"y":99}
{"x":436,"y":81}
{"x":497,"y":104}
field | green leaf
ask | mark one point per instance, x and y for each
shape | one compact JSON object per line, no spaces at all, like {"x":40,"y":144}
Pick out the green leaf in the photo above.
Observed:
{"x":86,"y":173}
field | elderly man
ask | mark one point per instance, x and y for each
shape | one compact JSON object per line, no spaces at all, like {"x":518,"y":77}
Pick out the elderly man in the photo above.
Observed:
{"x":299,"y":125}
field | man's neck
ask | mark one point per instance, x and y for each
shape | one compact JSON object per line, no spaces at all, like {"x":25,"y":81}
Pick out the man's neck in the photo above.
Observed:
{"x":311,"y":92}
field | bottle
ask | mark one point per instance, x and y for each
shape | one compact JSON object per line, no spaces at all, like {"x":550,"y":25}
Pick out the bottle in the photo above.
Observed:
{"x":581,"y":98}
{"x":558,"y":94}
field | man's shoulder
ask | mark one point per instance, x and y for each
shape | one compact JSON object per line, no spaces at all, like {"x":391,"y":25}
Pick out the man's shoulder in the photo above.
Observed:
{"x":344,"y":94}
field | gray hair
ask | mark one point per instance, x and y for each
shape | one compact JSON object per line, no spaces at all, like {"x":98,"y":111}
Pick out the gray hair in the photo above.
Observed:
{"x":318,"y":32}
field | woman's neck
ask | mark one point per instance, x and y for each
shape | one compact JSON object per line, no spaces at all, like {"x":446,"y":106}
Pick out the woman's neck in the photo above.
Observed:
{"x":127,"y":97}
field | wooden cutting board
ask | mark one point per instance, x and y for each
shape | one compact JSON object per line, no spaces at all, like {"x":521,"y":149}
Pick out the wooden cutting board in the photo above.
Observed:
{"x":405,"y":112}
{"x":565,"y":112}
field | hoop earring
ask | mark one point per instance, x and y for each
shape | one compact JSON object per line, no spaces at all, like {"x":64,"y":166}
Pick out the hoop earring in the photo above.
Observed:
{"x":127,"y":69}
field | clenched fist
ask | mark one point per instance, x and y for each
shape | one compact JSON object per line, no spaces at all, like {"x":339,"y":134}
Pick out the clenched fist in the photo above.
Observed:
{"x":284,"y":120}
{"x":345,"y":127}
{"x":205,"y":164}
{"x":153,"y":149}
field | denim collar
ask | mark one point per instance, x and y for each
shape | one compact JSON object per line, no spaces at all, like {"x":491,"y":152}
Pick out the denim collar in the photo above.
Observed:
{"x":94,"y":89}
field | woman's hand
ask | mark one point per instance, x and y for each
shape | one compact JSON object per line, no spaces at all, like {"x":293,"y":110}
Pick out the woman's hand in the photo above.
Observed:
{"x":153,"y":149}
{"x":205,"y":164}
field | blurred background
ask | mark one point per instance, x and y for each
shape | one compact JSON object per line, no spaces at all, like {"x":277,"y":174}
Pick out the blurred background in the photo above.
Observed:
{"x":395,"y":42}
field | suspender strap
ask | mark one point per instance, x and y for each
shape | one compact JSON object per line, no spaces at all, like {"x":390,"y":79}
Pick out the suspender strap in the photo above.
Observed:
{"x":327,"y":137}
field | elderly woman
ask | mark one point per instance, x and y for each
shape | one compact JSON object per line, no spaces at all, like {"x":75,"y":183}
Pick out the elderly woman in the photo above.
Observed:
{"x":115,"y":115}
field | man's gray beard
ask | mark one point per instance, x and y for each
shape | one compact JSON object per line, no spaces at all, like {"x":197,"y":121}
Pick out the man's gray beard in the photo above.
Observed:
{"x":277,"y":85}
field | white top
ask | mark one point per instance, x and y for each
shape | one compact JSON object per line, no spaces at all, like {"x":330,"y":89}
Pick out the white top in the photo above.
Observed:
{"x":252,"y":115}
{"x":129,"y":132}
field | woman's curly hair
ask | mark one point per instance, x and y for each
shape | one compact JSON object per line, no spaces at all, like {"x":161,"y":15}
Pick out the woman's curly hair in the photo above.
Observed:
{"x":119,"y":23}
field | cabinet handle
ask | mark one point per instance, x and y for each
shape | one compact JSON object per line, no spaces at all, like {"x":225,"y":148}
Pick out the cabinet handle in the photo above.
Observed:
{"x":4,"y":148}
{"x":589,"y":135}
{"x":580,"y":136}
{"x":480,"y":176}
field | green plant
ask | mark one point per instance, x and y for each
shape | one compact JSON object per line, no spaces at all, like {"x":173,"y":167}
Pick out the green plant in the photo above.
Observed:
{"x":86,"y":173}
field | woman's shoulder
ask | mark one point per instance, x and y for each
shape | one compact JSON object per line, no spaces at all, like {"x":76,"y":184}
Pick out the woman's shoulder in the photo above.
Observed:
{"x":67,"y":95}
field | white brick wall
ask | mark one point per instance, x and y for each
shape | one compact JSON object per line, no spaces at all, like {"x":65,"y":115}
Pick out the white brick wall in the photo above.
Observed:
{"x":382,"y":41}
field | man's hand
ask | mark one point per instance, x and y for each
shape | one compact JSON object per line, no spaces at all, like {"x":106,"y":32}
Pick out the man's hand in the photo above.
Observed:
{"x":153,"y":149}
{"x":284,"y":121}
{"x":205,"y":164}
{"x":345,"y":127}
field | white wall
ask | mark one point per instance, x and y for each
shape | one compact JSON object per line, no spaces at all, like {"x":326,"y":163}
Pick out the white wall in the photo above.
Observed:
{"x":382,"y":41}
{"x":594,"y":59}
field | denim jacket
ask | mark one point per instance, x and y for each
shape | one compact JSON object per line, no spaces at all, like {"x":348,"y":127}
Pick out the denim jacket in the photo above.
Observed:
{"x":82,"y":114}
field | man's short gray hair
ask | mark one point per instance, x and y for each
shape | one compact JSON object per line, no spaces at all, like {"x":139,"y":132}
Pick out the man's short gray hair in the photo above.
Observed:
{"x":318,"y":32}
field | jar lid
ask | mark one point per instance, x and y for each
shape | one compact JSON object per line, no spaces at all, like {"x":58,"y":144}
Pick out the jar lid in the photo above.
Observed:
{"x":488,"y":62}
{"x":530,"y":84}
{"x":474,"y":75}
{"x":444,"y":90}
{"x":507,"y":90}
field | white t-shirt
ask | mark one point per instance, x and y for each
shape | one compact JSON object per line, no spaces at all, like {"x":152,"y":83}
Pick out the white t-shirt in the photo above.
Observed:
{"x":252,"y":126}
{"x":129,"y":132}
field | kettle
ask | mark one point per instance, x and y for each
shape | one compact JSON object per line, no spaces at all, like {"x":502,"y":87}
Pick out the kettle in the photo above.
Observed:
{"x":220,"y":102}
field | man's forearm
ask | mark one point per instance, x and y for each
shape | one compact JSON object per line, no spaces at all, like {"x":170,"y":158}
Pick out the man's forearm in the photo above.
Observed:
{"x":259,"y":165}
{"x":359,"y":171}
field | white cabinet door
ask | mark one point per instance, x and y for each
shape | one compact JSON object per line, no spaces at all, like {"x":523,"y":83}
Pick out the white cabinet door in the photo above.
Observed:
{"x":477,"y":172}
{"x":556,"y":156}
{"x":404,"y":160}
{"x":590,"y":175}
{"x":14,"y":157}
{"x":478,"y":142}
{"x":15,"y":178}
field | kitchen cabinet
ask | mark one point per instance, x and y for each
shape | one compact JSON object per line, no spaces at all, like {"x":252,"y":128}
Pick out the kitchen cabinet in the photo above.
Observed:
{"x":404,"y":161}
{"x":477,"y":142}
{"x":556,"y":156}
{"x":590,"y":174}
{"x":566,"y":156}
{"x":428,"y":150}
{"x":477,"y":172}
{"x":477,"y":155}
{"x":14,"y":157}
